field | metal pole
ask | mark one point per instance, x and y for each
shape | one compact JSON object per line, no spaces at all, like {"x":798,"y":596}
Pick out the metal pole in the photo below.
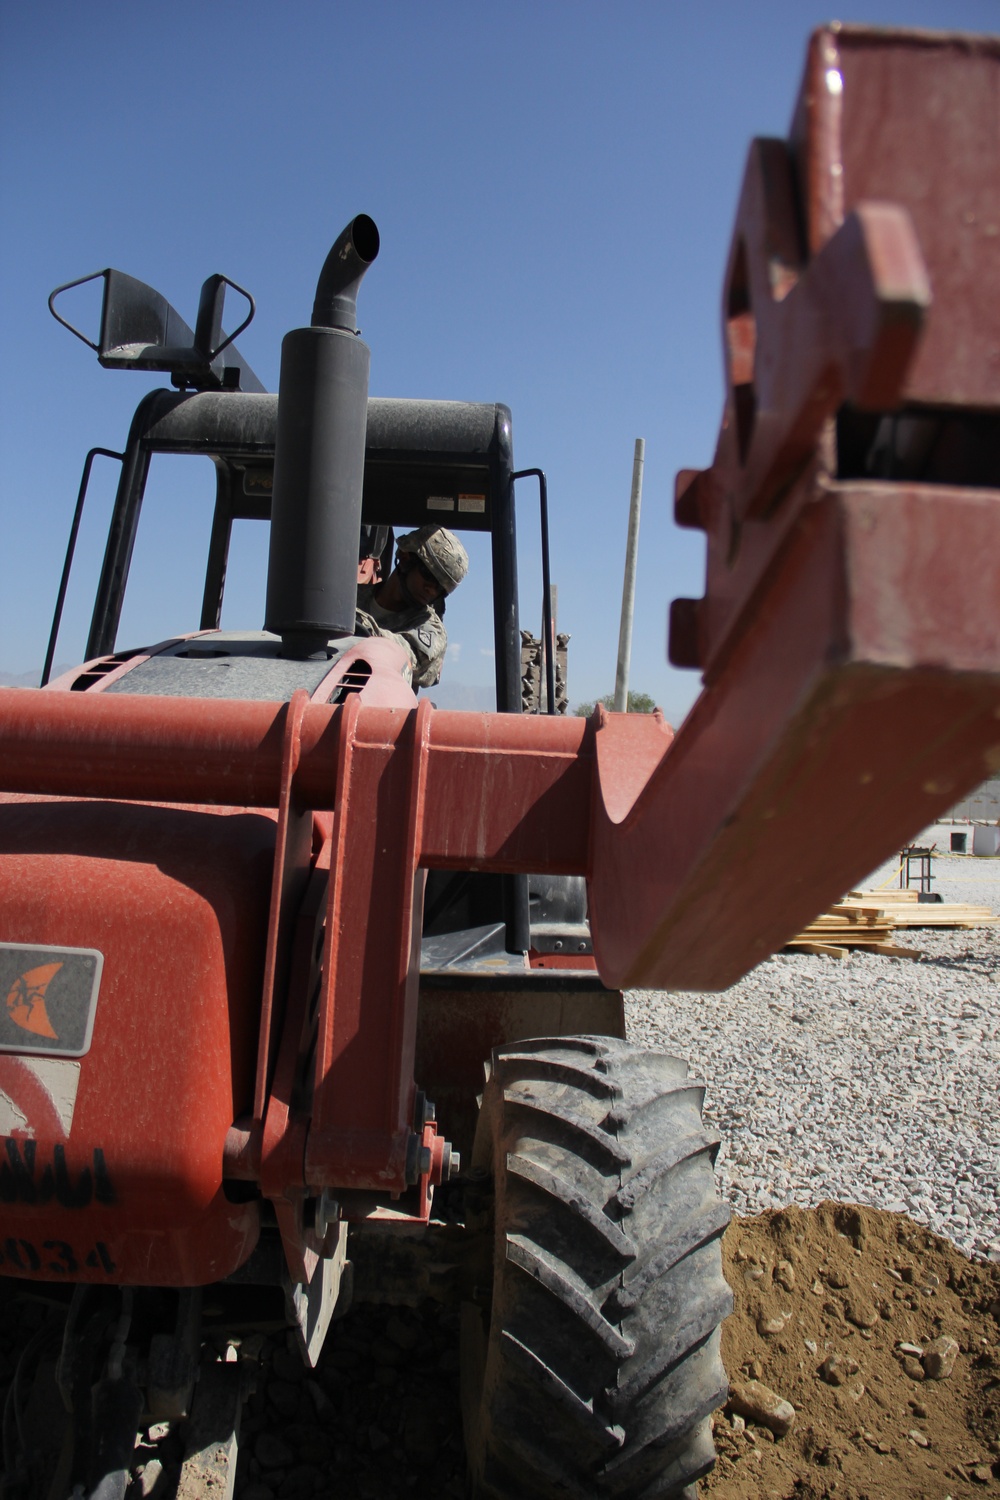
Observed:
{"x":545,"y":702}
{"x":70,"y":549}
{"x":628,"y":587}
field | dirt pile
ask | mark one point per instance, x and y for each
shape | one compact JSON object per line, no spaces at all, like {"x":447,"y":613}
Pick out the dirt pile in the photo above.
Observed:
{"x":886,"y":1342}
{"x":846,"y":1314}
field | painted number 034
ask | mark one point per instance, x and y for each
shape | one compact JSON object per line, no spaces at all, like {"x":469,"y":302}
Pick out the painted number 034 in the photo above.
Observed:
{"x":54,"y":1256}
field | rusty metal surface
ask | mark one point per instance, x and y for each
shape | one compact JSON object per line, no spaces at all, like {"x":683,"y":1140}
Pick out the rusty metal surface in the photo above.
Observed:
{"x":914,"y":119}
{"x":846,"y":328}
{"x":362,"y":1109}
{"x":862,"y":703}
{"x":292,"y":863}
{"x":114,"y":1171}
{"x":864,"y":269}
{"x":850,"y":630}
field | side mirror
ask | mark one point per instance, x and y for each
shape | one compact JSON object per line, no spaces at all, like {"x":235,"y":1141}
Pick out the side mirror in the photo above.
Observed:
{"x":140,"y":330}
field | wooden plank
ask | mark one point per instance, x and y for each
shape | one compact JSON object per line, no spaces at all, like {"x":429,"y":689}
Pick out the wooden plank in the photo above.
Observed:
{"x":845,"y":940}
{"x":826,"y":950}
{"x":831,"y":929}
{"x":858,"y":918}
{"x":947,"y":919}
{"x":836,"y":919}
{"x":888,"y":893}
{"x":838,"y":924}
{"x":892,"y":950}
{"x":840,"y":950}
{"x":851,"y":903}
{"x":912,"y":913}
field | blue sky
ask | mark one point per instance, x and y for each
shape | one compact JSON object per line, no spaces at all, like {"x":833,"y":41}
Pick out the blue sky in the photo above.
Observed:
{"x":555,"y":186}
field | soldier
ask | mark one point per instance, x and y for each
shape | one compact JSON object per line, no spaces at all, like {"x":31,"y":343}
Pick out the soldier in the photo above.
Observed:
{"x":409,"y":604}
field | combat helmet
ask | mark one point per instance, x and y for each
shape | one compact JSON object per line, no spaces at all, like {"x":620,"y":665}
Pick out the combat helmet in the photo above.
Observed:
{"x":440,"y":551}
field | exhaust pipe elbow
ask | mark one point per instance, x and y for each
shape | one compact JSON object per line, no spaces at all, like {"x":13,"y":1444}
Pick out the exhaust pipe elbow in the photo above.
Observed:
{"x":319,"y":459}
{"x":336,"y":304}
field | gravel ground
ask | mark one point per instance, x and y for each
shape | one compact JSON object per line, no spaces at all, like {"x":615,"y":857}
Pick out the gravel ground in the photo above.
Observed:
{"x":867,"y":1079}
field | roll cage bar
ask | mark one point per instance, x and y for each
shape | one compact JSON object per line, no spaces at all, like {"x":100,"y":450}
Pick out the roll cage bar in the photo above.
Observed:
{"x":446,"y":461}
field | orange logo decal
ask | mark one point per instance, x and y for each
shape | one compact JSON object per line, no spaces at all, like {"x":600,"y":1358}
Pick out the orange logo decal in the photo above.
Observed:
{"x":26,"y":1000}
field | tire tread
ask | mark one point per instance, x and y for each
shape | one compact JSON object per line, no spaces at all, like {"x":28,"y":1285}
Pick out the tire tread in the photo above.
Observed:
{"x":603,"y":1350}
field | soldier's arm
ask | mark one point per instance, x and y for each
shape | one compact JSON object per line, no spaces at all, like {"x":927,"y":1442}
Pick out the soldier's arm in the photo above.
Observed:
{"x":425,"y":641}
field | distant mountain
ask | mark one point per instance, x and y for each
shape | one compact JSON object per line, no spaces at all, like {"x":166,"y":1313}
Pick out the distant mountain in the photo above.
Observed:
{"x":460,"y":695}
{"x":32,"y":679}
{"x":451,"y":695}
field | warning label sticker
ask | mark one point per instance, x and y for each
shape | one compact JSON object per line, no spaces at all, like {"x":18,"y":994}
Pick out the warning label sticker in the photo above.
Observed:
{"x":48,"y":998}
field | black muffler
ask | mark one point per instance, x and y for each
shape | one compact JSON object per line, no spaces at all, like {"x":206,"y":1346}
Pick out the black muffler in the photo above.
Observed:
{"x":319,"y":459}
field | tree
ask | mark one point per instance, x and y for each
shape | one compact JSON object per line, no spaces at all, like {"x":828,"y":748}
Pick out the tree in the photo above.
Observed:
{"x":638,"y":703}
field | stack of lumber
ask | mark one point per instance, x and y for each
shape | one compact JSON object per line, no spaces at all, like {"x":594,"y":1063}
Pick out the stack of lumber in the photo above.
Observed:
{"x":903,"y":909}
{"x":867,"y":919}
{"x":848,"y":925}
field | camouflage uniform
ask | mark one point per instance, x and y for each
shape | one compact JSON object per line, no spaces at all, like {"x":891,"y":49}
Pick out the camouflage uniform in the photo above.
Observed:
{"x":419,"y":629}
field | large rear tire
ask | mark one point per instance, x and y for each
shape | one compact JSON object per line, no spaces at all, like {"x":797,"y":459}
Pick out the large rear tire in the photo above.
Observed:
{"x":592,"y":1366}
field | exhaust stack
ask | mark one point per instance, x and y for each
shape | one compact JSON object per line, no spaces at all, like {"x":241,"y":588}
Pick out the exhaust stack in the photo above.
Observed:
{"x":319,"y":458}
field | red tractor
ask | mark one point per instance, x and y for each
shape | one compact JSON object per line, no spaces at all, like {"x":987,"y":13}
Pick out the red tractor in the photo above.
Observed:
{"x":264,"y":916}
